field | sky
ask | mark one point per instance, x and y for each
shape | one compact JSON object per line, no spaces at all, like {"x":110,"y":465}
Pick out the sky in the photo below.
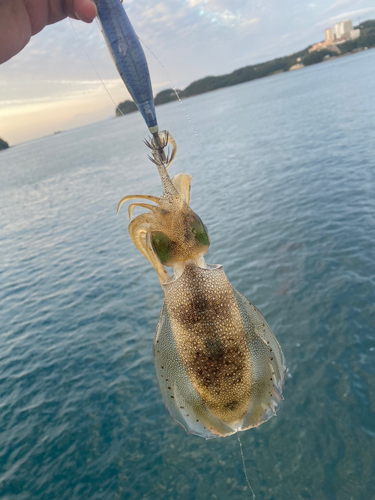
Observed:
{"x":55,"y":83}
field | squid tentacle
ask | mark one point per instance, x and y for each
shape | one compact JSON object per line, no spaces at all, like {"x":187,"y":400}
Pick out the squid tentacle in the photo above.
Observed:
{"x":139,"y":231}
{"x":128,"y":197}
{"x":132,"y":206}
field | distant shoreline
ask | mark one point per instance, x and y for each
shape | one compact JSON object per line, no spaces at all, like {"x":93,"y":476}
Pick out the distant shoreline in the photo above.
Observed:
{"x":292,"y":62}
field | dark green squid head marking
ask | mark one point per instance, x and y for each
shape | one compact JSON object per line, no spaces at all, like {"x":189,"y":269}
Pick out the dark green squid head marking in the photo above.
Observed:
{"x":162,"y":245}
{"x":200,"y":232}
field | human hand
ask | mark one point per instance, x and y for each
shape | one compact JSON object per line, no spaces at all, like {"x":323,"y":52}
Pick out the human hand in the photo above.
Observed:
{"x":21,"y":19}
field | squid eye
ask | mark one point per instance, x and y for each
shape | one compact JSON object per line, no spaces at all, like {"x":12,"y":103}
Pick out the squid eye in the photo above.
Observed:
{"x":162,"y":246}
{"x":200,"y":232}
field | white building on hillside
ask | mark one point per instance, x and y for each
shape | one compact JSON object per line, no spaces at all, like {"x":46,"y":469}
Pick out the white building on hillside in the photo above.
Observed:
{"x":329,"y":35}
{"x":342,"y":33}
{"x":343,"y":29}
{"x":355,"y":34}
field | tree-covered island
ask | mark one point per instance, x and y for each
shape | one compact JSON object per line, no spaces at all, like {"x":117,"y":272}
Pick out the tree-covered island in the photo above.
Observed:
{"x":3,"y":145}
{"x":298,"y":60}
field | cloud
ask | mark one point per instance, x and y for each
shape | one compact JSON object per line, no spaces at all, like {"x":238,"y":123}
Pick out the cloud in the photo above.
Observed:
{"x":191,"y":39}
{"x":238,"y":14}
{"x":339,"y":4}
{"x":231,"y":20}
{"x":353,"y":14}
{"x":194,"y":3}
{"x":161,"y":13}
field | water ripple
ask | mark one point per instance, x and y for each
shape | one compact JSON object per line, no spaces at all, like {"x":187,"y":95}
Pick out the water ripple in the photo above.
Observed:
{"x":81,"y":414}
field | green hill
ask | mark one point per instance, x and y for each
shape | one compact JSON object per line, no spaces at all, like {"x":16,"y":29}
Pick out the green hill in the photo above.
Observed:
{"x":253,"y":72}
{"x":3,"y":145}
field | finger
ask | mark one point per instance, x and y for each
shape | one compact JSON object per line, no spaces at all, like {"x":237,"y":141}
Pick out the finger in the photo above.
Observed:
{"x":85,"y":10}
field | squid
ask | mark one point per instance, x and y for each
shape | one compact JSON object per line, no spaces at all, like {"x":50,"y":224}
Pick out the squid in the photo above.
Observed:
{"x":219,"y":366}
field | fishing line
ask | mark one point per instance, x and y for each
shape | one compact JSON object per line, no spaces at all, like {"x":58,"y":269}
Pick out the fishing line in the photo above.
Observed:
{"x":93,"y":67}
{"x":201,"y":146}
{"x":190,"y":123}
{"x":244,"y":468}
{"x":177,"y":95}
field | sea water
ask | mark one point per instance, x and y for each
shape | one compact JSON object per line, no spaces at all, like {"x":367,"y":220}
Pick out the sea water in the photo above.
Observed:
{"x":286,"y":186}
